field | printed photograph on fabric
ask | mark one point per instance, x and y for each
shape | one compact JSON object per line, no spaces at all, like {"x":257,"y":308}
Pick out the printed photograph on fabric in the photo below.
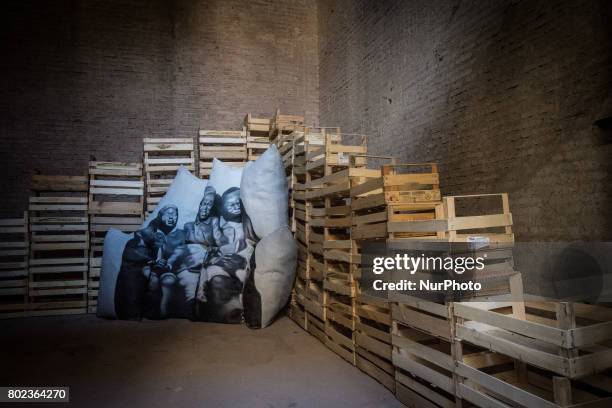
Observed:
{"x":194,"y":271}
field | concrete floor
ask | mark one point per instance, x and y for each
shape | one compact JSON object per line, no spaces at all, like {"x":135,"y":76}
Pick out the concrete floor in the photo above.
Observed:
{"x":177,"y":363}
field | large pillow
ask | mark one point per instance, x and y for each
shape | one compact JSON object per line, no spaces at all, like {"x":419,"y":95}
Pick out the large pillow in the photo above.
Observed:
{"x":222,"y":281}
{"x":269,"y":284}
{"x":224,"y":176}
{"x":264,"y":194}
{"x":155,"y":271}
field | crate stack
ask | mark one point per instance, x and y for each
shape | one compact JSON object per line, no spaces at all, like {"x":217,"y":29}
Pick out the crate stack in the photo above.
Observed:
{"x":283,"y":125}
{"x":286,"y":147}
{"x":14,"y":249}
{"x":307,"y":149}
{"x":162,"y":159}
{"x":304,"y":300}
{"x":59,"y":245}
{"x":424,"y":338}
{"x":341,"y":167}
{"x":533,"y":353}
{"x":258,"y":136}
{"x":116,"y":200}
{"x":400,"y":192}
{"x":230,"y":146}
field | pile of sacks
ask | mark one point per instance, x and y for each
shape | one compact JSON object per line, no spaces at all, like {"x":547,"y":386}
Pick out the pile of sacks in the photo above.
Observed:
{"x":214,"y":250}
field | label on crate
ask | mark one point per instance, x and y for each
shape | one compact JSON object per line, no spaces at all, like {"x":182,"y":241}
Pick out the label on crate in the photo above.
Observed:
{"x":343,"y":158}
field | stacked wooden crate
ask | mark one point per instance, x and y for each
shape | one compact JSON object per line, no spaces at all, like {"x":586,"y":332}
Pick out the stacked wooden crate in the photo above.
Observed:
{"x":116,"y":195}
{"x":401,"y":192}
{"x":309,"y":288}
{"x":286,"y":150}
{"x":424,"y":342}
{"x":539,"y":353}
{"x":59,"y":244}
{"x":341,"y":166}
{"x":284,"y":125}
{"x":230,"y":146}
{"x":162,"y":159}
{"x":304,"y":298}
{"x":285,"y":145}
{"x":258,"y":136}
{"x":14,"y":249}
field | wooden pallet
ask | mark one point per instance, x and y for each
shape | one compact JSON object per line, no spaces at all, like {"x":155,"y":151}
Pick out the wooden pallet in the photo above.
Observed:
{"x":569,"y":339}
{"x":116,"y":200}
{"x":402,"y":193}
{"x":425,"y":367}
{"x":490,"y":379}
{"x":59,"y":244}
{"x":14,"y":247}
{"x":373,"y":347}
{"x":162,"y":159}
{"x":230,"y":146}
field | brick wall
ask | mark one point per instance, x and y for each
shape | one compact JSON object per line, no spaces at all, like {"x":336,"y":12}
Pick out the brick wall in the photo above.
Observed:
{"x":503,"y":94}
{"x":81,"y":79}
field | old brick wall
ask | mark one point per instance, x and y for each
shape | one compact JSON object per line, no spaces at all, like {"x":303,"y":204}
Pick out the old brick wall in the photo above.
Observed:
{"x":502,"y":93}
{"x":81,"y":79}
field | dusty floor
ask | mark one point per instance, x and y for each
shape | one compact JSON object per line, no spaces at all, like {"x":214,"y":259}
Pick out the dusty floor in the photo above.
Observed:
{"x":177,"y":363}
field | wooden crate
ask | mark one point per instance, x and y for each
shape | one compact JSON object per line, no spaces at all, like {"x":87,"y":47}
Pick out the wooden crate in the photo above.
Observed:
{"x":340,"y":151}
{"x":284,"y":124}
{"x":327,"y":192}
{"x":14,"y":247}
{"x":162,"y":159}
{"x":373,"y":349}
{"x":230,"y":146}
{"x":59,"y":244}
{"x":256,"y":146}
{"x":402,"y":193}
{"x":340,"y":325}
{"x":488,"y":226}
{"x":316,"y":234}
{"x":315,"y":310}
{"x":302,"y":144}
{"x":489,"y":379}
{"x":569,"y":339}
{"x":257,"y":135}
{"x":425,"y":368}
{"x":257,"y":126}
{"x":429,"y":317}
{"x":432,"y":313}
{"x":297,"y":310}
{"x":116,"y":200}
